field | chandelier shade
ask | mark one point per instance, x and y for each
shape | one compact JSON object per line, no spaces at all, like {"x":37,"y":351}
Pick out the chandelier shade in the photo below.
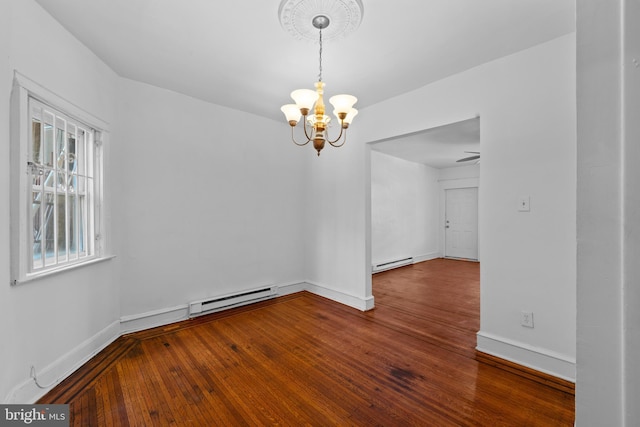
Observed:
{"x":309,"y":107}
{"x":342,"y":103}
{"x":304,"y":98}
{"x":350,"y":115}
{"x":291,"y":112}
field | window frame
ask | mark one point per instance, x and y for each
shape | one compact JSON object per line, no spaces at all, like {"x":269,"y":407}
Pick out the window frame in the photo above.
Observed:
{"x":22,"y":270}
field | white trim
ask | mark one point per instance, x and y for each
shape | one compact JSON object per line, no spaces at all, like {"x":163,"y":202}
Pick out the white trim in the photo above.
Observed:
{"x":426,"y":257}
{"x":291,"y":288}
{"x":55,"y":100}
{"x":61,"y":269}
{"x":362,"y":304}
{"x":153,"y":319}
{"x":65,"y":365}
{"x":540,"y":359}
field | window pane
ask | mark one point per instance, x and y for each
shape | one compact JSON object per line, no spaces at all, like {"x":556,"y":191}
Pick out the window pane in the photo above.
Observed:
{"x":48,"y":177}
{"x":49,"y":229}
{"x":36,"y":198}
{"x":72,"y":231}
{"x":36,"y":127}
{"x":48,"y":139}
{"x":36,"y":177}
{"x":60,"y":146}
{"x":80,"y":151}
{"x":62,"y":181}
{"x":82,"y":226}
{"x":61,"y":227}
{"x":71,"y":153}
{"x":72,"y":182}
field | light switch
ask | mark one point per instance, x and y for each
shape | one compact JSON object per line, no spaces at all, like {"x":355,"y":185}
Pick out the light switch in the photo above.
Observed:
{"x":524,"y":204}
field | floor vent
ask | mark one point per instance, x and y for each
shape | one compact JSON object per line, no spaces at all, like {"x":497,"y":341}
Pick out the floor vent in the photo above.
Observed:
{"x":392,"y":264}
{"x":198,"y":308}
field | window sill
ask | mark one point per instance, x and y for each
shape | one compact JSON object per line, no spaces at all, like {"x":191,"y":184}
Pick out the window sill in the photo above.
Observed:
{"x":42,"y":275}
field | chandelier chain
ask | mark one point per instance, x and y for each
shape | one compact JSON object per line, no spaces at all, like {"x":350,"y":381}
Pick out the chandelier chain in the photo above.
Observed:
{"x":320,"y":59}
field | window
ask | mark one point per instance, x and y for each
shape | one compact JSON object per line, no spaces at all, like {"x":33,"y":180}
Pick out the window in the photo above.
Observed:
{"x":56,"y":184}
{"x":61,"y":173}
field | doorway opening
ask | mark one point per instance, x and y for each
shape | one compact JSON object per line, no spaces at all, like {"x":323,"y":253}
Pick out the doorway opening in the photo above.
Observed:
{"x":424,"y":221}
{"x":412,"y":178}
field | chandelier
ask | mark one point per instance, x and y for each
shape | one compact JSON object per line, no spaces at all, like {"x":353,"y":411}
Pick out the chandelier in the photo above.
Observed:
{"x":309,"y":104}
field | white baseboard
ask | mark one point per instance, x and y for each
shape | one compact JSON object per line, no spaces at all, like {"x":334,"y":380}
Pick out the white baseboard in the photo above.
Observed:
{"x":426,"y":257}
{"x":59,"y":369}
{"x":542,"y":360}
{"x":153,"y":319}
{"x":292,"y":288}
{"x":362,"y":304}
{"x":379,"y":268}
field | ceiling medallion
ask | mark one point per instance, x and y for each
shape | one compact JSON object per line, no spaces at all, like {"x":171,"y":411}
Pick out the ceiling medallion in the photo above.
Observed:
{"x":296,"y":17}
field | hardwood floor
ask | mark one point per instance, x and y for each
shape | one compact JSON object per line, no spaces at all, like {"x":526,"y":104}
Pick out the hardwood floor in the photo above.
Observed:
{"x":304,"y":360}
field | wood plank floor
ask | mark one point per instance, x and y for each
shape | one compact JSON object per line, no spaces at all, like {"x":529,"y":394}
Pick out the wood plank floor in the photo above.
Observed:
{"x":304,"y":360}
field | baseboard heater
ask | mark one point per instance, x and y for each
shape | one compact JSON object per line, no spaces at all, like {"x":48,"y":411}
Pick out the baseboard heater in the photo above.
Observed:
{"x":392,"y":264}
{"x":198,"y":308}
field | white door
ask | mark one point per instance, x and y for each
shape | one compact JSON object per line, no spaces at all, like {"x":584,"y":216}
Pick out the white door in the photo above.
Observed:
{"x":461,"y":223}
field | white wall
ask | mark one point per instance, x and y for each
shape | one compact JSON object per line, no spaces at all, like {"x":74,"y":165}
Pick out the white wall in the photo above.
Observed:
{"x":608,"y":83}
{"x":339,"y":206}
{"x":631,"y":292}
{"x":56,"y":322}
{"x":210,"y":201}
{"x":6,"y":321}
{"x":526,"y":102}
{"x":404,"y":209}
{"x":471,"y":172}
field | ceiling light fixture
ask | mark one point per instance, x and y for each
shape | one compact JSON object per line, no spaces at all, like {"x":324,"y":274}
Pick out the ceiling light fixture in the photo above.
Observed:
{"x":309,"y":103}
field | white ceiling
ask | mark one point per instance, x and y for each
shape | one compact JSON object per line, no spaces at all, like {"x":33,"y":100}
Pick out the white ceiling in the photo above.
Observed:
{"x":438,"y":147}
{"x":236,"y":54}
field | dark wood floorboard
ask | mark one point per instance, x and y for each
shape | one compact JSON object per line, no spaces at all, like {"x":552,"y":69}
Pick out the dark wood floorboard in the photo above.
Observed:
{"x":304,"y":360}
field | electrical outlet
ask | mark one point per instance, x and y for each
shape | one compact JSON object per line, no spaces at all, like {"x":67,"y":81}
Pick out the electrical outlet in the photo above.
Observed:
{"x":526,"y":319}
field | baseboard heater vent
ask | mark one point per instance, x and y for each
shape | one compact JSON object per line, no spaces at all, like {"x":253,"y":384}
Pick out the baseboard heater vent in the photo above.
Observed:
{"x":198,"y":308}
{"x":392,"y":264}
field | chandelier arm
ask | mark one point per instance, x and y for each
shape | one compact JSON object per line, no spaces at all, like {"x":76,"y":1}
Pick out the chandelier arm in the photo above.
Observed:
{"x":299,"y":144}
{"x":334,"y":142}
